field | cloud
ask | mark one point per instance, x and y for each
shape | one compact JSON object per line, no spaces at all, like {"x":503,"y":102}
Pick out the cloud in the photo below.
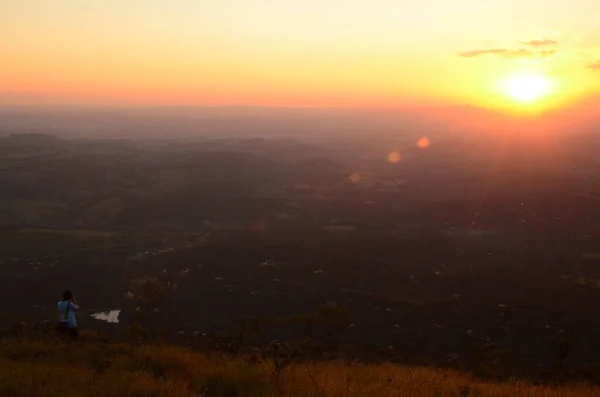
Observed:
{"x":476,"y":53}
{"x":540,"y":43}
{"x":508,"y":54}
{"x":594,"y":67}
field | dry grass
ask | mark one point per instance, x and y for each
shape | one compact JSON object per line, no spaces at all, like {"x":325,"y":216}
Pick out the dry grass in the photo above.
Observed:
{"x":92,"y":369}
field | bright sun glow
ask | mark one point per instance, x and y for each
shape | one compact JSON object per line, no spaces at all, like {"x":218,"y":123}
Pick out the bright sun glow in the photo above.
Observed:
{"x":527,"y":88}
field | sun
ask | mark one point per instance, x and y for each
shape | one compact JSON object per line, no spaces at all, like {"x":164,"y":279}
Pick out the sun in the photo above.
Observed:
{"x":527,"y":88}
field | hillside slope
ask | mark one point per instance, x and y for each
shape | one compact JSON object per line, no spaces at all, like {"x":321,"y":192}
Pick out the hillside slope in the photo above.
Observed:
{"x":91,"y":368}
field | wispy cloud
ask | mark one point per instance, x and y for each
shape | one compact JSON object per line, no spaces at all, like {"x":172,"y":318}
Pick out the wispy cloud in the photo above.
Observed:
{"x":508,"y":54}
{"x":594,"y":67}
{"x":477,"y":53}
{"x":540,"y":43}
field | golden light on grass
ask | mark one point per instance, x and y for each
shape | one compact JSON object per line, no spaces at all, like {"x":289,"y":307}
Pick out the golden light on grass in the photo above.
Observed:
{"x":100,"y":368}
{"x":527,"y":88}
{"x":423,"y":142}
{"x":394,"y":157}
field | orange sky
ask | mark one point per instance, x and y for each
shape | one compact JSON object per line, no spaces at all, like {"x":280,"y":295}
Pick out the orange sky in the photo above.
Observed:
{"x":290,"y":53}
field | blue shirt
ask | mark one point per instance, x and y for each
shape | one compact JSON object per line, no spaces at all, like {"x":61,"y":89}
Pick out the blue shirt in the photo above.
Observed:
{"x":70,"y":317}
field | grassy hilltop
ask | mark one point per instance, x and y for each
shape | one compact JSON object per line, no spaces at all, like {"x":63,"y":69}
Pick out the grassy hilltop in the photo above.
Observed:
{"x":96,"y":368}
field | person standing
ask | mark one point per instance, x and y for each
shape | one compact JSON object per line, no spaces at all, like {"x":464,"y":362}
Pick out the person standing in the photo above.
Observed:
{"x":68,"y":321}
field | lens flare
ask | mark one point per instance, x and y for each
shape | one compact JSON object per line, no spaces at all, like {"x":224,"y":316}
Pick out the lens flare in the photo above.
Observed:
{"x":423,"y":142}
{"x":394,"y":157}
{"x":355,"y":177}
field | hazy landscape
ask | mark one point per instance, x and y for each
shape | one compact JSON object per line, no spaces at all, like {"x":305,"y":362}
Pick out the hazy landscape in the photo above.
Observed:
{"x":315,"y":198}
{"x":436,"y":244}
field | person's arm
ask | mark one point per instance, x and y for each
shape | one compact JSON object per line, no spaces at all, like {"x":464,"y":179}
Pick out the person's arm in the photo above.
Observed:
{"x":74,"y":304}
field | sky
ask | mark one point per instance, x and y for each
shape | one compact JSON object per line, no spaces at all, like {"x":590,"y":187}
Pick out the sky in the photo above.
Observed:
{"x":318,"y":53}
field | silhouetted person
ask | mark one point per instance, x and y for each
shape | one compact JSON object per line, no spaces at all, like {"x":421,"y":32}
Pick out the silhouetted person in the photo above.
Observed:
{"x":67,"y":308}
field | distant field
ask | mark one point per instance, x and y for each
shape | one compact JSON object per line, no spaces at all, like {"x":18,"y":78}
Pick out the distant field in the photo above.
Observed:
{"x":590,"y":256}
{"x":44,"y":236}
{"x":87,"y":233}
{"x":467,"y":254}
